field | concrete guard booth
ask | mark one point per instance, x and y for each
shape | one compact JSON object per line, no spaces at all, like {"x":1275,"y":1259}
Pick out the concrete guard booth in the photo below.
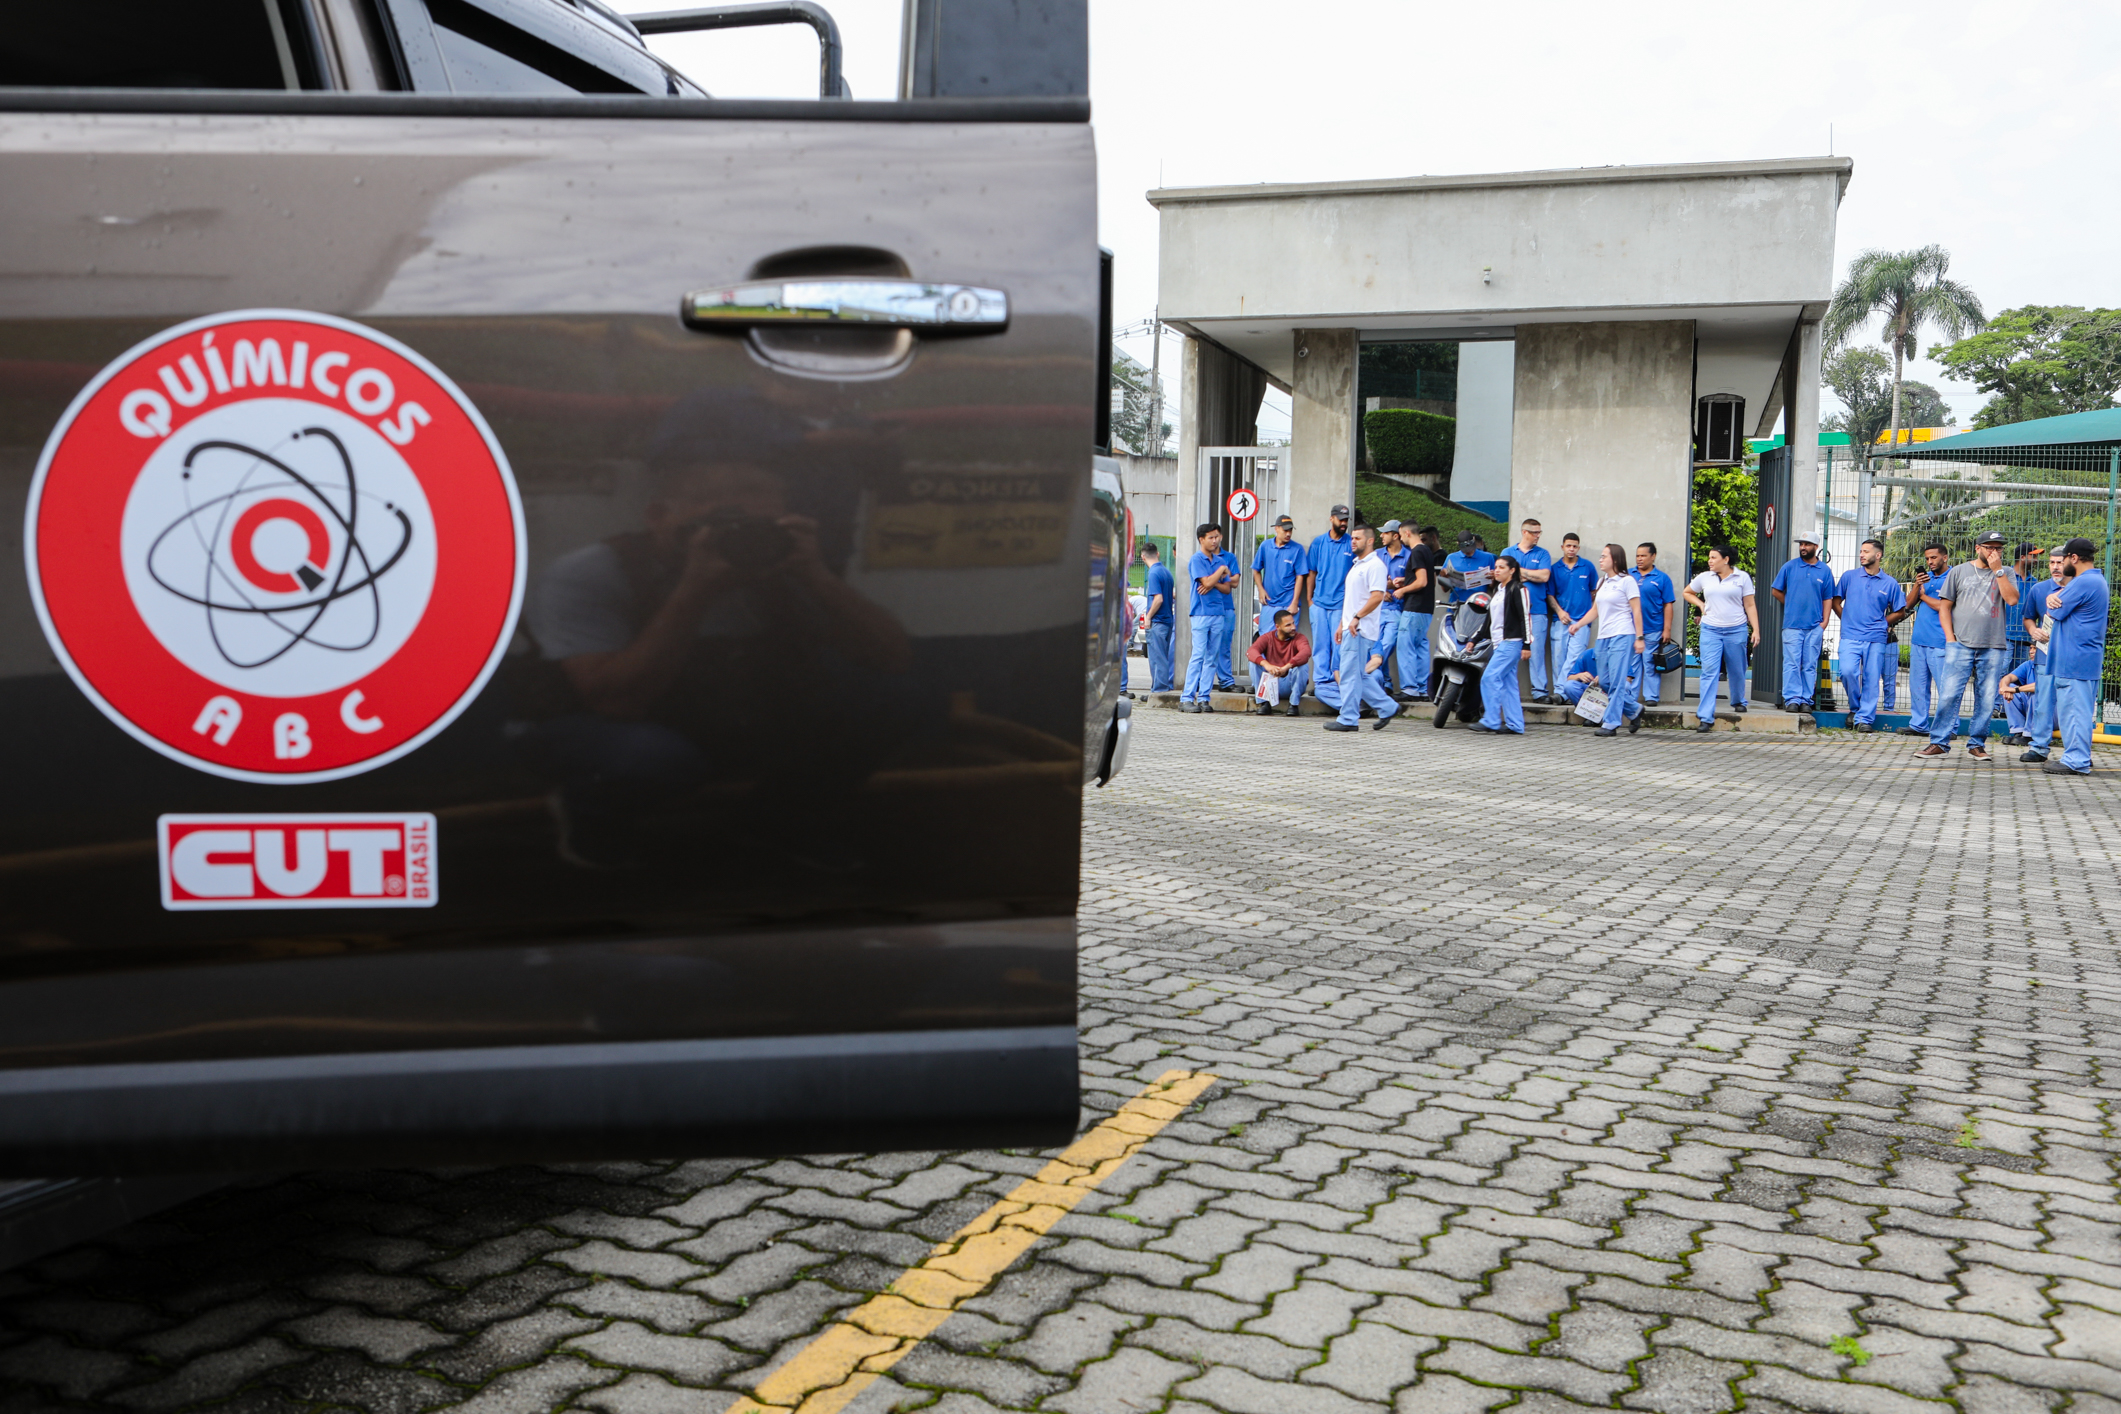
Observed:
{"x":1647,"y":306}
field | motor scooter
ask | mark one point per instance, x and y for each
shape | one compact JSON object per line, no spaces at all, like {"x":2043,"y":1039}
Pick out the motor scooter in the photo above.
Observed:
{"x":1461,"y":655}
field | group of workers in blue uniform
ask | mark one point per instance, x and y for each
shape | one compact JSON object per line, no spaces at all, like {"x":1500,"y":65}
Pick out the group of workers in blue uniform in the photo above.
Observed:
{"x":1564,"y":590}
{"x":2061,"y":621}
{"x":1971,"y":621}
{"x":1310,"y":583}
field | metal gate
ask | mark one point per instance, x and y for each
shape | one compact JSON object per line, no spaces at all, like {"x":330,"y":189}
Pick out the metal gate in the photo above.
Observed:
{"x":2036,"y":497}
{"x":1262,"y":471}
{"x":1771,"y":548}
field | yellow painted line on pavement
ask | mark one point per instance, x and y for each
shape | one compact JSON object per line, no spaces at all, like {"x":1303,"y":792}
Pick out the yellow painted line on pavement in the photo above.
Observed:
{"x":849,"y":1355}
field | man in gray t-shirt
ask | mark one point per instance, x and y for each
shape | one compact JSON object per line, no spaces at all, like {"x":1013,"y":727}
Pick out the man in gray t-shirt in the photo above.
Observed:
{"x":1969,"y":602}
{"x":1974,"y":596}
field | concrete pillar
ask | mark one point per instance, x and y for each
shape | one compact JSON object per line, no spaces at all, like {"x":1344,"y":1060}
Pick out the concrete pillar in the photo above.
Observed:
{"x":1801,"y":423}
{"x":1189,"y":407}
{"x":1321,"y":428}
{"x":1602,"y":437}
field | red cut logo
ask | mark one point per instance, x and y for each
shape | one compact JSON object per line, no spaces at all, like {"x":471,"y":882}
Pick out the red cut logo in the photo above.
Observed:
{"x":276,"y":546}
{"x":297,"y":861}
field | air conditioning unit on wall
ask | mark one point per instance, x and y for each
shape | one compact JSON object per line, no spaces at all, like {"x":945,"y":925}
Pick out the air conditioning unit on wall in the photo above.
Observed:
{"x":1719,"y":420}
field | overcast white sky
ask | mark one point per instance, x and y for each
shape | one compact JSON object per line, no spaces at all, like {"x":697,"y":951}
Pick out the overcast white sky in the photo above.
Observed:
{"x":1988,"y":129}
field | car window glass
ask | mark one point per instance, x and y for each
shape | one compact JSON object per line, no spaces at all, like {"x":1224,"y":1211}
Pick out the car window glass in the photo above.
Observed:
{"x":148,"y":44}
{"x":551,"y":50}
{"x":475,"y":68}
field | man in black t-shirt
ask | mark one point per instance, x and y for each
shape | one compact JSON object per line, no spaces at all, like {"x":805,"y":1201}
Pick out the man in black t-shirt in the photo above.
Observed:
{"x":1415,"y":590}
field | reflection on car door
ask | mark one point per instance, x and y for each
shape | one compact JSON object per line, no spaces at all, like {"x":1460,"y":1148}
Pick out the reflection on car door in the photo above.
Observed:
{"x":750,"y":736}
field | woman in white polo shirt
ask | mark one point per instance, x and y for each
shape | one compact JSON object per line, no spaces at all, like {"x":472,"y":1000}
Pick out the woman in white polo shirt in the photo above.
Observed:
{"x":1618,"y":608}
{"x":1729,"y":625}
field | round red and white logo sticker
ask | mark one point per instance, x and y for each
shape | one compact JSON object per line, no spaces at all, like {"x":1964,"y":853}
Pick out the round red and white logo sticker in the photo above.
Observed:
{"x":276,"y":546}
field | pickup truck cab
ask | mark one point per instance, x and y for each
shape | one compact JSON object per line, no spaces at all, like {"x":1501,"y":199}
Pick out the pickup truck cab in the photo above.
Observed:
{"x":549,"y":615}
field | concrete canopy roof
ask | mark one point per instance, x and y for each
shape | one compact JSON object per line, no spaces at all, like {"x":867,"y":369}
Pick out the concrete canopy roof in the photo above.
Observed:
{"x":1741,"y":248}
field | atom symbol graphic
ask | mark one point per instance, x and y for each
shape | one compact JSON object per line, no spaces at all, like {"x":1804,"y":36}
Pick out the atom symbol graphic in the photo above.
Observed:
{"x":327,"y":598}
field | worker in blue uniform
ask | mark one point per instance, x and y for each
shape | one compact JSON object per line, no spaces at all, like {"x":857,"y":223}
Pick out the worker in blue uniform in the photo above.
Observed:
{"x":2020,"y":691}
{"x":1660,"y":618}
{"x":1278,"y":569}
{"x":1582,"y":672}
{"x":2039,"y":730}
{"x":1925,"y":655}
{"x":1535,"y":564}
{"x":1395,"y":552}
{"x":1869,"y":602}
{"x":2076,"y":620}
{"x":1805,"y":589}
{"x":1572,"y":583}
{"x":1213,"y":571}
{"x":1326,"y":575}
{"x":1471,"y":558}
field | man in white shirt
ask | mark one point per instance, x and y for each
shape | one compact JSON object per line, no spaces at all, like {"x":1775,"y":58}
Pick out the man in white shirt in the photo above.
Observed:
{"x":1359,"y":634}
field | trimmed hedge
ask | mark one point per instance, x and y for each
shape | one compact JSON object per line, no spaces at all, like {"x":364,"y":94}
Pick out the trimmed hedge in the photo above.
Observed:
{"x":1410,"y":442}
{"x":1378,"y":500}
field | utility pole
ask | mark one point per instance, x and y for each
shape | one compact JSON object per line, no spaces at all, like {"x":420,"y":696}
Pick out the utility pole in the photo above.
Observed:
{"x":1153,"y":442}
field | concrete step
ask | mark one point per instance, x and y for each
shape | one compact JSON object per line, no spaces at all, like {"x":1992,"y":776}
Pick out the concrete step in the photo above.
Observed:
{"x":1667,"y":717}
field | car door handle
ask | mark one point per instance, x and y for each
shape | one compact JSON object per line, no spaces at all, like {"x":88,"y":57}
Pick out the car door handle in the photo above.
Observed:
{"x":861,"y":303}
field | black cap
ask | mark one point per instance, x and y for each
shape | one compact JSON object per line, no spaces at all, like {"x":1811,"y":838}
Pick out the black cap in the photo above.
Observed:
{"x":1341,"y":511}
{"x":1467,"y":539}
{"x":2080,"y":547}
{"x":1283,"y":520}
{"x":1993,"y":537}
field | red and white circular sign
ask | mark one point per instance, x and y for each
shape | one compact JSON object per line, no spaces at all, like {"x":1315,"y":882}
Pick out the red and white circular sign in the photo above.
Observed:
{"x":276,"y":546}
{"x":1243,"y":504}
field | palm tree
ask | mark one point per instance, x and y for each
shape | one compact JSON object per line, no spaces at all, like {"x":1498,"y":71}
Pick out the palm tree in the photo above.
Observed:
{"x":1910,"y":289}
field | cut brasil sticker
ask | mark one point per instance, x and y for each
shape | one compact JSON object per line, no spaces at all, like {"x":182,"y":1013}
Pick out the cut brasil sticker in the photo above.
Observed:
{"x":276,"y":546}
{"x":297,"y":861}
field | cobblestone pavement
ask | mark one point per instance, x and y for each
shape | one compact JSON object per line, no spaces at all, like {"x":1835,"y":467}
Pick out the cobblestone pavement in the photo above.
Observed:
{"x":1666,"y":1073}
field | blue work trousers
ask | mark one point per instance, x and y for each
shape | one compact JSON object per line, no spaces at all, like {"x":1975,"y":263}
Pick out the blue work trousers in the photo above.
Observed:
{"x":2041,"y":728}
{"x":1288,"y":689}
{"x":1388,"y":619}
{"x":1800,"y":664}
{"x":1985,"y":667}
{"x":1649,"y":683}
{"x":1722,"y":656}
{"x":1413,"y":652}
{"x":1501,"y":707}
{"x":2018,"y":710}
{"x":1163,"y":665}
{"x":1326,"y":653}
{"x":1616,"y":666}
{"x":1562,"y":648}
{"x":1926,"y":676}
{"x":1210,"y":659}
{"x":1862,"y":666}
{"x":1358,"y":688}
{"x":1536,"y":658}
{"x":2076,"y":704}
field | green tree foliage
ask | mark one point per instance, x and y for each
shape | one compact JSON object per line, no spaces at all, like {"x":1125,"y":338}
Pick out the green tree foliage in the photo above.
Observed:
{"x":1863,"y":381}
{"x":1908,"y":290}
{"x":1130,"y":417}
{"x":2040,"y":361}
{"x":1410,"y":442}
{"x":1726,"y":512}
{"x":1923,"y":406}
